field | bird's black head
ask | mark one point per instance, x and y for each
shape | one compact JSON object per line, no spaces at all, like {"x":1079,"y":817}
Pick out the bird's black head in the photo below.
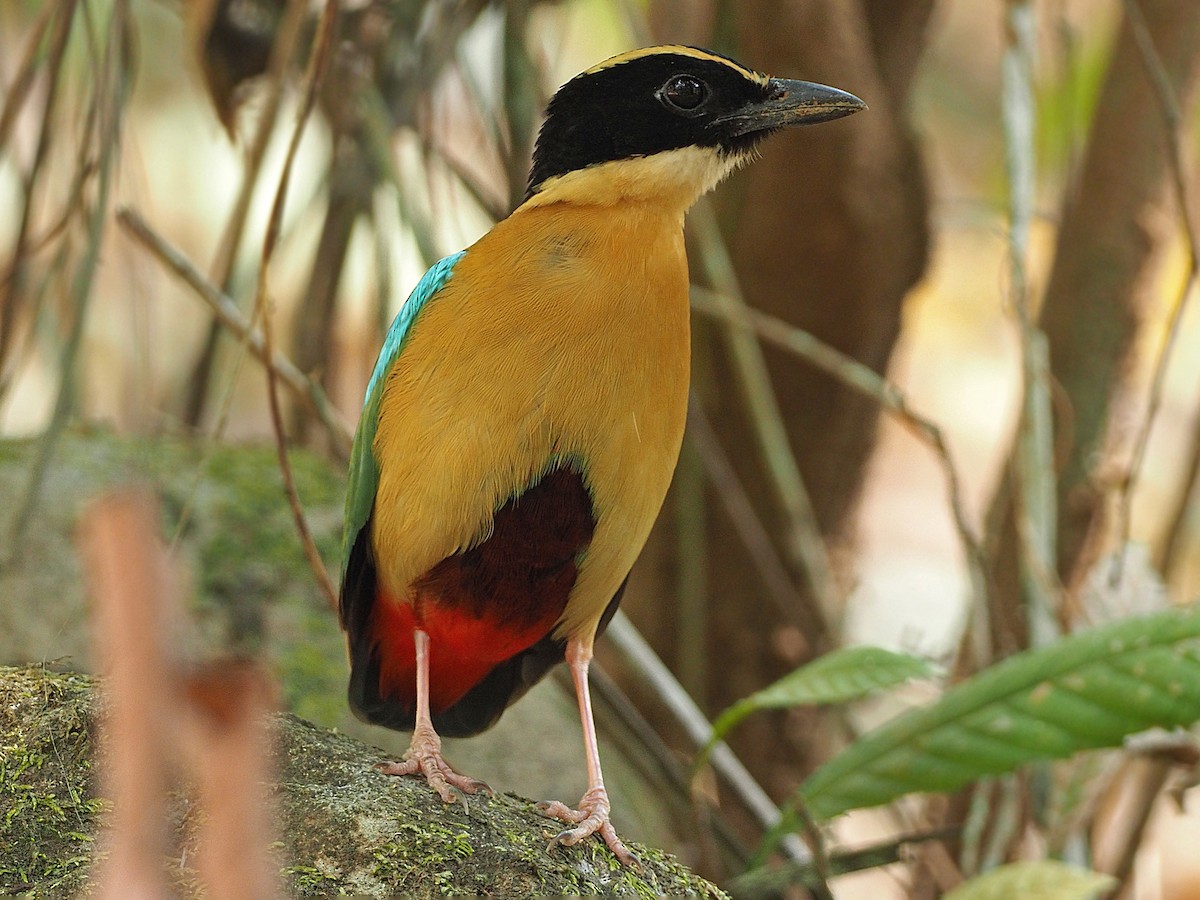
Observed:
{"x":651,"y":102}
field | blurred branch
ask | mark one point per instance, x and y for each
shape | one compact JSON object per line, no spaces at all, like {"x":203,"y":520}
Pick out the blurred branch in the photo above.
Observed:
{"x":228,"y":314}
{"x":1149,"y":761}
{"x":693,"y":664}
{"x":1168,"y":103}
{"x":804,"y":542}
{"x":523,"y":100}
{"x":641,"y":658}
{"x":789,"y":602}
{"x":1142,"y":781}
{"x":388,"y":60}
{"x":494,"y":207}
{"x":820,"y":869}
{"x":773,"y":881}
{"x":1099,"y":289}
{"x":1154,"y":772}
{"x":13,"y":286}
{"x":18,"y":90}
{"x":132,"y":591}
{"x":227,"y":704}
{"x":318,"y":64}
{"x":869,"y":383}
{"x":378,"y":156}
{"x":282,"y":51}
{"x":1033,"y":461}
{"x":1170,"y":551}
{"x":109,"y":92}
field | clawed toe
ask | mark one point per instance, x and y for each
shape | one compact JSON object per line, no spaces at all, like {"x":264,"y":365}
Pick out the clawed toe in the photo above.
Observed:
{"x":556,"y":809}
{"x":592,"y":817}
{"x":450,"y":785}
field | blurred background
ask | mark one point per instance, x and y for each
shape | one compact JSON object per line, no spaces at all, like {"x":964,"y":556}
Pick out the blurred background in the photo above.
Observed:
{"x":1026,"y":292}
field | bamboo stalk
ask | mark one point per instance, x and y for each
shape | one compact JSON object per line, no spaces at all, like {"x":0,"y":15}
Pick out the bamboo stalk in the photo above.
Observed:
{"x":1033,"y":462}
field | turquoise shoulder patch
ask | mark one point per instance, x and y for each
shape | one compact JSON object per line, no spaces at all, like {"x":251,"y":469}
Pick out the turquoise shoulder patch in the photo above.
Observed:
{"x":364,"y":470}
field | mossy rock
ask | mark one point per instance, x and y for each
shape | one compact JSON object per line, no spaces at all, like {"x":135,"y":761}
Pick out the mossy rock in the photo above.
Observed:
{"x":251,"y":592}
{"x":345,"y":827}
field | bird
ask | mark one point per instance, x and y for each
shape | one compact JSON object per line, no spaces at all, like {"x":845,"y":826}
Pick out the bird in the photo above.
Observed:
{"x":524,"y":417}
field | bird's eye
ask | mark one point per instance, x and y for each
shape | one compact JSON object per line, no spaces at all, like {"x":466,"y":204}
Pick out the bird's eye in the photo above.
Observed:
{"x":684,"y":94}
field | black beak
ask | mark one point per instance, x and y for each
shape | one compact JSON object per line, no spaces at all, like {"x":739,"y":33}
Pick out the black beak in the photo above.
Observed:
{"x":791,"y":103}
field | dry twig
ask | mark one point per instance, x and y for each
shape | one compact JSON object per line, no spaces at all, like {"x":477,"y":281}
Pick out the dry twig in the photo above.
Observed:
{"x":866,"y":381}
{"x":228,"y":314}
{"x":317,"y":64}
{"x":1164,"y":95}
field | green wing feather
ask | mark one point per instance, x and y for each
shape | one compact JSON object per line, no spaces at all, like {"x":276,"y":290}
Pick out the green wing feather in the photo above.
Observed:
{"x":364,"y":468}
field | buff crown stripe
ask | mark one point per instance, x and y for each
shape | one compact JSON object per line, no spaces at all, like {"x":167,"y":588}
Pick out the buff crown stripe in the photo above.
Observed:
{"x":677,"y":50}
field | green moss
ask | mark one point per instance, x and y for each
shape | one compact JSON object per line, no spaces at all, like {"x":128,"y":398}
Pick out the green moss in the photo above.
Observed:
{"x":442,"y":850}
{"x":308,"y":881}
{"x":47,"y":816}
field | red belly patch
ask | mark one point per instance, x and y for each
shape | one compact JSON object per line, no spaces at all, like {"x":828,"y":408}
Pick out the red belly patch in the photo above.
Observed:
{"x":462,"y":648}
{"x":487,"y":604}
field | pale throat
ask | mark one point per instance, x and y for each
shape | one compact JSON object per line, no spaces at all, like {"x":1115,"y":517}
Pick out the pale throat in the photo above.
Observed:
{"x":676,"y":178}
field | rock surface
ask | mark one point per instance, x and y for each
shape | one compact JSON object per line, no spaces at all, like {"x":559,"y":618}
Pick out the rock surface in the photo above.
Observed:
{"x":344,"y":827}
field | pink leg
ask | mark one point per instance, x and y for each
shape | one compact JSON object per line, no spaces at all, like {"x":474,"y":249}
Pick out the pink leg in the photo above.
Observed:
{"x":592,"y":816}
{"x":424,"y":756}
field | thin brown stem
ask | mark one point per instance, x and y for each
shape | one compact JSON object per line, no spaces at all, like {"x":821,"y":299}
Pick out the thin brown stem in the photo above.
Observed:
{"x":1168,"y":103}
{"x":12,"y":287}
{"x":318,"y":63}
{"x":231,"y":238}
{"x":866,"y":381}
{"x":227,"y":313}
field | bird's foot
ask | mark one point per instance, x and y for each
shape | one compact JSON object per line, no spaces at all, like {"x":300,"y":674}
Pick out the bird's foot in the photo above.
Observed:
{"x":424,"y":758}
{"x":592,"y":817}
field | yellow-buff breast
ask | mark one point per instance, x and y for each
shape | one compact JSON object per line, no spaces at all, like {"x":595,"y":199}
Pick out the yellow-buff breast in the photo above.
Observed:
{"x":562,"y":337}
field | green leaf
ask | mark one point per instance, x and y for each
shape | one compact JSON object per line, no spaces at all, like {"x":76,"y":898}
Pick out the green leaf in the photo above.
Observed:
{"x":836,"y":677}
{"x":1045,"y":880}
{"x":1086,"y":691}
